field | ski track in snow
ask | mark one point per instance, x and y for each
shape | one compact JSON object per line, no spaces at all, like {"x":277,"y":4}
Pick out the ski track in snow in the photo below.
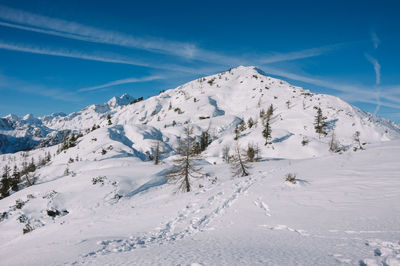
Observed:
{"x":169,"y":233}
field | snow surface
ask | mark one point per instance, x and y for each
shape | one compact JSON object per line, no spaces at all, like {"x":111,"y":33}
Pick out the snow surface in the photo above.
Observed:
{"x":343,"y":209}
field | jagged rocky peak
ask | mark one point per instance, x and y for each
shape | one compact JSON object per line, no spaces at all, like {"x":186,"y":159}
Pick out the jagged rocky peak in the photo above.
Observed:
{"x":124,"y":99}
{"x":12,"y":117}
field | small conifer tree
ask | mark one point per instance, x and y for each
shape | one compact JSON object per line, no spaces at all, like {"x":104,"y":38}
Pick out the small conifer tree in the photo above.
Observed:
{"x":5,"y":183}
{"x":239,"y":165}
{"x":183,"y":169}
{"x":267,"y":132}
{"x":156,"y":153}
{"x":320,"y":123}
{"x":356,"y":138}
{"x":250,"y":122}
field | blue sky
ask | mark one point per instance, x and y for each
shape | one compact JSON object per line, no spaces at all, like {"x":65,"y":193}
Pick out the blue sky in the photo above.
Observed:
{"x":60,"y":56}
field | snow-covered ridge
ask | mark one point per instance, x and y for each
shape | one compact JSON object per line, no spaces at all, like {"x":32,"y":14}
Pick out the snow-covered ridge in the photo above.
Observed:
{"x":217,"y":102}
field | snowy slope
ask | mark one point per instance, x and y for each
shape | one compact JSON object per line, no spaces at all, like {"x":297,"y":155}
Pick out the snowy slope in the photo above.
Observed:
{"x":344,"y":211}
{"x":114,"y":206}
{"x":218,"y":103}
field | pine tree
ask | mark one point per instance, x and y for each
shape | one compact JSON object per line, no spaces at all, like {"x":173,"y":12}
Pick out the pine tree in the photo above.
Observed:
{"x":257,"y":155}
{"x":262,"y":114}
{"x":183,"y":168}
{"x":250,"y":122}
{"x":5,"y":182}
{"x":197,"y":147}
{"x":30,"y":179}
{"x":225,"y":153}
{"x":356,"y":138}
{"x":320,"y":124}
{"x":333,"y":144}
{"x":109,"y":120}
{"x":239,"y":164}
{"x":253,"y":153}
{"x":242,"y":126}
{"x":32,"y":166}
{"x":237,"y":133}
{"x":16,"y":179}
{"x":267,"y":133}
{"x":205,"y":140}
{"x":250,"y":153}
{"x":270,"y":112}
{"x":156,"y":153}
{"x":48,"y":157}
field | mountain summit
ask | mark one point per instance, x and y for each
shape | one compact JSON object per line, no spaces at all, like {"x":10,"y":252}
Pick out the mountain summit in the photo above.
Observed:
{"x":218,"y":103}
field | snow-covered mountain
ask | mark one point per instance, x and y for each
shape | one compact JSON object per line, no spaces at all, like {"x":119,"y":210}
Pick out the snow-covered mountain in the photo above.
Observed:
{"x":28,"y":132}
{"x":217,"y":103}
{"x":97,"y":199}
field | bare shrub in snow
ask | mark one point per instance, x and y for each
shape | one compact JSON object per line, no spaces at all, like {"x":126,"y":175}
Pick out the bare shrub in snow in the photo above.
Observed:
{"x":291,"y":178}
{"x":334,"y":143}
{"x":356,"y":138}
{"x":305,"y":141}
{"x":225,"y":153}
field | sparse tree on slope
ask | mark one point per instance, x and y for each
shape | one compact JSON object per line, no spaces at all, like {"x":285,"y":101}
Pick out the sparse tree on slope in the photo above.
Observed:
{"x":16,"y":179}
{"x":225,"y":153}
{"x":270,"y":112}
{"x":183,"y":169}
{"x":205,"y":140}
{"x":242,"y":126}
{"x":250,"y":122}
{"x":253,"y":153}
{"x":5,"y":183}
{"x":109,"y":120}
{"x":156,"y":152}
{"x":239,"y":164}
{"x":333,"y":144}
{"x":356,"y":138}
{"x":320,"y":124}
{"x":267,"y":132}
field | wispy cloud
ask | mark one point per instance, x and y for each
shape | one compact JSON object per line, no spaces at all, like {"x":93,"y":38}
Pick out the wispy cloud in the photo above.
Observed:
{"x":73,"y":30}
{"x":377,"y":68}
{"x":67,"y":29}
{"x":121,"y":81}
{"x":375,"y":39}
{"x":306,"y":53}
{"x":100,"y":57}
{"x":351,"y":93}
{"x":69,"y":53}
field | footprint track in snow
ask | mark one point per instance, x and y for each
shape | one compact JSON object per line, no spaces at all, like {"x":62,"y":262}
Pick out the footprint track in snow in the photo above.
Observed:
{"x":285,"y":227}
{"x":263,"y":206}
{"x":382,"y":253}
{"x":187,"y":218}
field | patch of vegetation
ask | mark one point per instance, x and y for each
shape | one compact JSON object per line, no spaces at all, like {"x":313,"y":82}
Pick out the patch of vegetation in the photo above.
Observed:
{"x":137,"y":100}
{"x":99,"y":180}
{"x":178,"y":110}
{"x":291,"y":178}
